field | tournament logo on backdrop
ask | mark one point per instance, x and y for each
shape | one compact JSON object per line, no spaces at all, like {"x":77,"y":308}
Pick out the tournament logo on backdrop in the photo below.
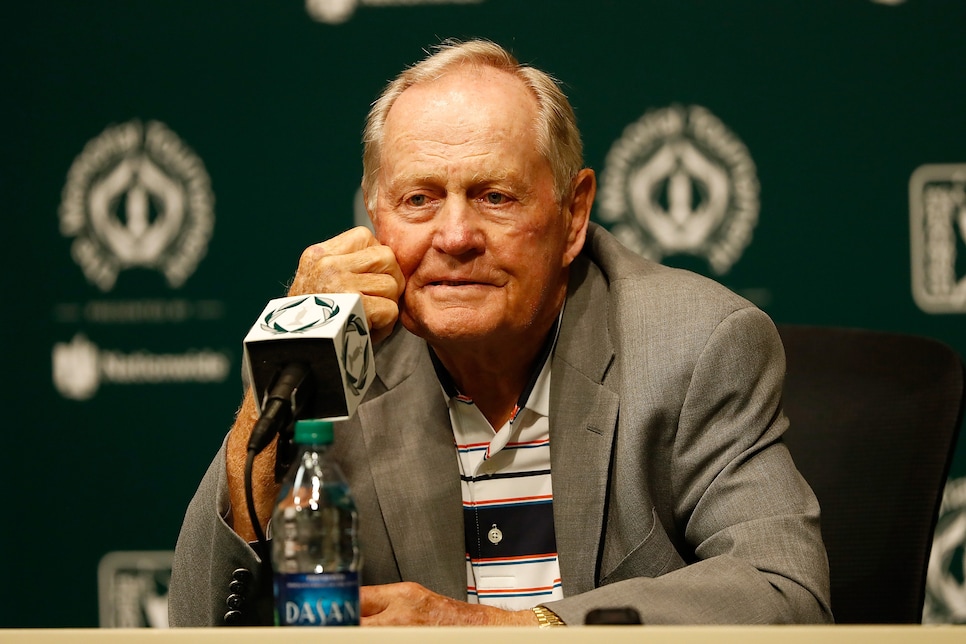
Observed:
{"x":946,"y":574}
{"x":137,"y":197}
{"x":937,"y":217}
{"x":334,"y":12}
{"x":679,"y":182}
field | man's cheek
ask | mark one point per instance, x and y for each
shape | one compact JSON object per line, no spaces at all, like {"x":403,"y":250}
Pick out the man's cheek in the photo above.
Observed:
{"x":406,"y":300}
{"x":408,"y":262}
{"x":409,"y":317}
{"x":384,"y":232}
{"x":396,"y":243}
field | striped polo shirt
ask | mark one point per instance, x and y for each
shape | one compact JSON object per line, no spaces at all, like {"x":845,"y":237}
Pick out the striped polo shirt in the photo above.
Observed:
{"x":511,"y":551}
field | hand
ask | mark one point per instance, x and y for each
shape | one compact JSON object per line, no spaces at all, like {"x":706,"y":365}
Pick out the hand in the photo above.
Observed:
{"x":409,"y":604}
{"x":355,"y":262}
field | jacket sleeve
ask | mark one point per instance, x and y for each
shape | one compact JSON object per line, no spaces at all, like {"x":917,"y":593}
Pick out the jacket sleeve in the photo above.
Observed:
{"x":743,"y":521}
{"x":216,"y":578}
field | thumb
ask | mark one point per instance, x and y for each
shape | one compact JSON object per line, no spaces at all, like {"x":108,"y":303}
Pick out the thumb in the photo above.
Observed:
{"x":373,"y":600}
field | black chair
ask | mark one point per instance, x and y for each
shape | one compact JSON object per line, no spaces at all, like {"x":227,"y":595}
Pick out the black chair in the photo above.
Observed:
{"x":874,"y":418}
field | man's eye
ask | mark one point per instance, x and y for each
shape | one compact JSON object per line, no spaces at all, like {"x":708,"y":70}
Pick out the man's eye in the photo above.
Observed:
{"x":495,"y":198}
{"x":417,"y":200}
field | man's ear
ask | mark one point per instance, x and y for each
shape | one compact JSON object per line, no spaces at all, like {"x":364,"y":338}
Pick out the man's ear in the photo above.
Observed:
{"x":578,"y":212}
{"x":371,"y":209}
{"x":365,"y":203}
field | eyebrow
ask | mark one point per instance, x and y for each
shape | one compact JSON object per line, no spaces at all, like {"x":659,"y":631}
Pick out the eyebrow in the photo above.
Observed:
{"x":435,"y":178}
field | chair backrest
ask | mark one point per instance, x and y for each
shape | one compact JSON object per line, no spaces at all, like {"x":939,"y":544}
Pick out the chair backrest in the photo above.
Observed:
{"x":874,"y":418}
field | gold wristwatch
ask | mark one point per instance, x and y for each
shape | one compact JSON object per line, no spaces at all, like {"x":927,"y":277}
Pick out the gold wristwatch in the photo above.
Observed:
{"x":547,"y":617}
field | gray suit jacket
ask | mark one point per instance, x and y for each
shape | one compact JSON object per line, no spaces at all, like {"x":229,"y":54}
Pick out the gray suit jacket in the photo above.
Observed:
{"x":673,"y":492}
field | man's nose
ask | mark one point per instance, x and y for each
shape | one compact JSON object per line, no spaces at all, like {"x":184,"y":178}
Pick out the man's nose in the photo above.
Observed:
{"x":457,"y":227}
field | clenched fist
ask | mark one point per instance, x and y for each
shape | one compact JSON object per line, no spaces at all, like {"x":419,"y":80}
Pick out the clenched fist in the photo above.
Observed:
{"x":355,"y":262}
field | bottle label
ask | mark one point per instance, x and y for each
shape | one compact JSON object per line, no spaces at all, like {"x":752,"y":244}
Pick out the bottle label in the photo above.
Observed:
{"x":328,"y":599}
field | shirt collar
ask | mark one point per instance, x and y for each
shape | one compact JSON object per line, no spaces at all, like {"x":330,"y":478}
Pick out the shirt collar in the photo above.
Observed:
{"x":535,"y":396}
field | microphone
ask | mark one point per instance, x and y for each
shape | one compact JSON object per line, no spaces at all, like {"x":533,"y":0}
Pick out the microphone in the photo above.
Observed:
{"x":307,"y":356}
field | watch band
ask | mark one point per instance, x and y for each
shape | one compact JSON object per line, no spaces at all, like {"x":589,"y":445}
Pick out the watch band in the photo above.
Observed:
{"x":547,"y":617}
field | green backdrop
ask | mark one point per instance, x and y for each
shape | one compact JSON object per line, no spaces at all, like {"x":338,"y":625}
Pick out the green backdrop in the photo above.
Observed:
{"x":241,"y":120}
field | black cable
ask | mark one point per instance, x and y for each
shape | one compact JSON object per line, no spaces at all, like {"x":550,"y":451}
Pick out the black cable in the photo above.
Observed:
{"x":252,"y":513}
{"x":281,"y":406}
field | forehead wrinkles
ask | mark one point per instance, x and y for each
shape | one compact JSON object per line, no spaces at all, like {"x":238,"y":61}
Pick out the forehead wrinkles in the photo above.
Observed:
{"x":447,"y":129}
{"x":435,"y":133}
{"x":455,"y":178}
{"x":463,"y":104}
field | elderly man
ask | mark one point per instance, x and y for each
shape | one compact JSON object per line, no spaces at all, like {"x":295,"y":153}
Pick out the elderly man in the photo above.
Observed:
{"x":558,"y":425}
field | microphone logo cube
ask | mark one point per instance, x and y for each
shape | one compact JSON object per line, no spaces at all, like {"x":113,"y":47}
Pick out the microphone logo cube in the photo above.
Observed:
{"x":325,"y":331}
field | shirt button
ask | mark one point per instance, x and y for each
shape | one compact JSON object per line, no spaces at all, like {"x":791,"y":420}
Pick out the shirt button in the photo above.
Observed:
{"x":495,"y":535}
{"x":488,"y":468}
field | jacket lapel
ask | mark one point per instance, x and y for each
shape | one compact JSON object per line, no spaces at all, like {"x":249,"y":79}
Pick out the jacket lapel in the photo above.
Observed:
{"x":414,"y":468}
{"x":582,"y":427}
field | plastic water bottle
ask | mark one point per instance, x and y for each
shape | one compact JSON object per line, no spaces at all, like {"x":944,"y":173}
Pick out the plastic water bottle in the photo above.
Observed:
{"x":315,"y":550}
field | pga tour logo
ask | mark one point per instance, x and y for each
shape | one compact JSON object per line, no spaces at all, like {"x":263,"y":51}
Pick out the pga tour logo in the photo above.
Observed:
{"x":937,"y":219}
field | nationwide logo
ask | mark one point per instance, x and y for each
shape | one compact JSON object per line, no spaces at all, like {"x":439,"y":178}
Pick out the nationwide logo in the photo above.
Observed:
{"x":300,"y":316}
{"x":946,"y":574}
{"x":937,"y":219}
{"x":137,"y":197}
{"x":335,"y":12}
{"x":80,"y":367}
{"x":678,"y":182}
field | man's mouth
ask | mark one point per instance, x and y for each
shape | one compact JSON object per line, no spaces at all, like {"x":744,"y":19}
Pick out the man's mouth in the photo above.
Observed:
{"x":454,"y":283}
